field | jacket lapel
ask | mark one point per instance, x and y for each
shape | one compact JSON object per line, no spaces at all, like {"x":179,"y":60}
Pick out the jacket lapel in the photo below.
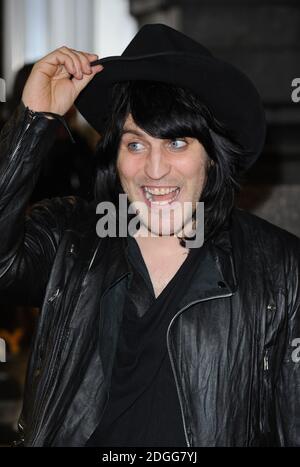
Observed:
{"x":215,"y":274}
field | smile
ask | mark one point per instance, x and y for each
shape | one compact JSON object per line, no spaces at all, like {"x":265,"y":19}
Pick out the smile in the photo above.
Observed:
{"x":160,"y":196}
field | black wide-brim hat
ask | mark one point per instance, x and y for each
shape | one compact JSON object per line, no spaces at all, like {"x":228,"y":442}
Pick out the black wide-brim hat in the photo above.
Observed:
{"x":160,"y":53}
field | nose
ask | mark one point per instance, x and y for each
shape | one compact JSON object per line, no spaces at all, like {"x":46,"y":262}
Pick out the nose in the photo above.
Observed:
{"x":157,"y":166}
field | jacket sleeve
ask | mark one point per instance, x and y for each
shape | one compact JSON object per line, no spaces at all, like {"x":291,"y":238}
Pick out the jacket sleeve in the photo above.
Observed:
{"x":29,"y":239}
{"x":287,"y":399}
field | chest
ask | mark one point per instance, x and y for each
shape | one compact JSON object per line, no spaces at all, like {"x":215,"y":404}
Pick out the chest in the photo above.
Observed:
{"x":162,"y":271}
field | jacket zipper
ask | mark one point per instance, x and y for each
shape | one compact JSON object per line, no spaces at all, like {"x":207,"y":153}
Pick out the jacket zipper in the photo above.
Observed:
{"x":54,"y":296}
{"x":31,"y":116}
{"x":43,"y":395}
{"x":20,"y":441}
{"x":266,"y":361}
{"x":107,"y":391}
{"x":266,"y":394}
{"x":61,"y":338}
{"x":171,"y":358}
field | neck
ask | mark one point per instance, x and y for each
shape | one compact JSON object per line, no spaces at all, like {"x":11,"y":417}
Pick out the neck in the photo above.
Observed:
{"x":160,"y":246}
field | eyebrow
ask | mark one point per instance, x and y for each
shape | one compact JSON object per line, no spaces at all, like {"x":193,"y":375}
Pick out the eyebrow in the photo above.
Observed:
{"x":132,"y":131}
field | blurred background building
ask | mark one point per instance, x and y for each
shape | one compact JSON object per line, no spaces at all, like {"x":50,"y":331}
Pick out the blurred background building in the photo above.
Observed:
{"x":261,"y":37}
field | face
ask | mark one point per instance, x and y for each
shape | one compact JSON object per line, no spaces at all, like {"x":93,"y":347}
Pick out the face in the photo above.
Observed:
{"x":164,"y":177}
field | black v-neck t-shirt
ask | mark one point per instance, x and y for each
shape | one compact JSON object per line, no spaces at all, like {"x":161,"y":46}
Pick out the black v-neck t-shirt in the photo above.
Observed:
{"x":143,"y":407}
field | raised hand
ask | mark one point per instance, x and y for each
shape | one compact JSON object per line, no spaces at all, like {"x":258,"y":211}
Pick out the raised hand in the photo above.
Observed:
{"x":57,"y":79}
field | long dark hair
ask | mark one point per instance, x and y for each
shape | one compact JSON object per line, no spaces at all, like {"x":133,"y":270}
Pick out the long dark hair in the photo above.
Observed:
{"x":168,"y":111}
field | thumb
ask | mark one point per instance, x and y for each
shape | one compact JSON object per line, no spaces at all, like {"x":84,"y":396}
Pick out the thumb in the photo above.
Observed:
{"x":80,"y":84}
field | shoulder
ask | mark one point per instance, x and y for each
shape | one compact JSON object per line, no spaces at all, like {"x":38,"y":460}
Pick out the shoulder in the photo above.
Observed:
{"x":255,"y":235}
{"x":257,"y":241}
{"x":265,"y":255}
{"x":251,"y":225}
{"x":67,"y":212}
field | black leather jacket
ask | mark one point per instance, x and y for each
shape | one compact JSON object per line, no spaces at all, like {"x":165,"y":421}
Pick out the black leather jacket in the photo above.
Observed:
{"x":234,"y":346}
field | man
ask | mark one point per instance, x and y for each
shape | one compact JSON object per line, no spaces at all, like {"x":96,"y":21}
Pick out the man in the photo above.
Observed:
{"x":148,"y":340}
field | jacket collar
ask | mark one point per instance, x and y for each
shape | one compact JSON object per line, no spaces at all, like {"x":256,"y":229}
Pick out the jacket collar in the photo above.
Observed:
{"x":215,"y":274}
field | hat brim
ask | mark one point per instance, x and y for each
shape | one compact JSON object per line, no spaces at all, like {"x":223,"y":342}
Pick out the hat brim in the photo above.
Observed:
{"x":226,"y":91}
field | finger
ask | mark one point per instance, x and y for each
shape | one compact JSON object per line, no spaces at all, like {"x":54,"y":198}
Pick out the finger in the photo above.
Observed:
{"x":80,"y":84}
{"x":85,"y":62}
{"x":85,"y":59}
{"x":76,"y":60}
{"x":91,"y":55}
{"x":97,"y":68}
{"x":76,"y":68}
{"x":54,"y":60}
{"x":87,"y":54}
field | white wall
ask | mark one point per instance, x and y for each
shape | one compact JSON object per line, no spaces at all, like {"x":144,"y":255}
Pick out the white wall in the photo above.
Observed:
{"x":113,"y":27}
{"x":14,"y":35}
{"x":32,"y":28}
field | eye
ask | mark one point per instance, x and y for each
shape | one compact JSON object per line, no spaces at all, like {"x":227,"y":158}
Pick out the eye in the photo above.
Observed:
{"x":135,"y":146}
{"x":178,"y":143}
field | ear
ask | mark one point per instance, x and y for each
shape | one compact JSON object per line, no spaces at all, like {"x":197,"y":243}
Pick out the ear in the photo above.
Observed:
{"x":210,"y":164}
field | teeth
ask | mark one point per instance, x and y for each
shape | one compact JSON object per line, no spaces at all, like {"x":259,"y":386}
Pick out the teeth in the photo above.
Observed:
{"x":148,"y":195}
{"x":161,"y":203}
{"x":159,"y":191}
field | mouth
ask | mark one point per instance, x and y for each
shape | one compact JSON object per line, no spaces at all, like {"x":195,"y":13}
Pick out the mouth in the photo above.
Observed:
{"x":160,"y":196}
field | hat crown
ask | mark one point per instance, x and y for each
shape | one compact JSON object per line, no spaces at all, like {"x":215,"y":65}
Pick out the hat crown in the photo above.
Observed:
{"x":159,"y":38}
{"x":160,"y":53}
